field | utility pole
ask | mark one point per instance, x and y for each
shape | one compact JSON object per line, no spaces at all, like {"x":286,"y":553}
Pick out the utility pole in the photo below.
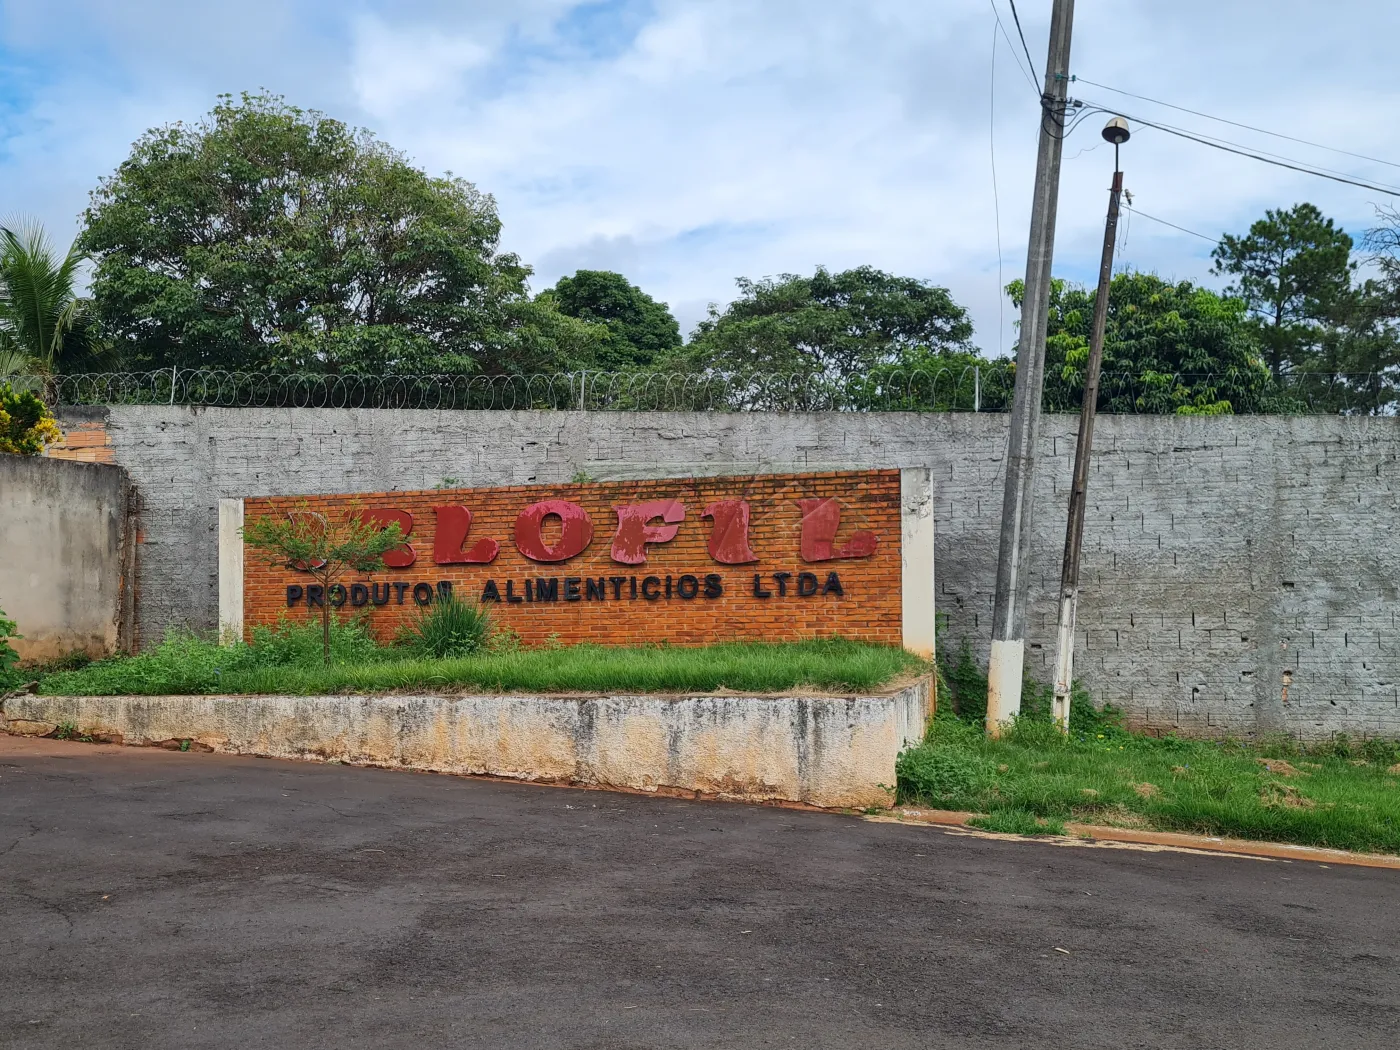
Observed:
{"x":1009,"y":612}
{"x":1115,"y":132}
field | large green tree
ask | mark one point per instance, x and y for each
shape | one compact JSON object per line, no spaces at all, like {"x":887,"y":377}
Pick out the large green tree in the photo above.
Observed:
{"x":1293,"y":270}
{"x":638,"y":328}
{"x":1168,"y":347}
{"x":834,"y":325}
{"x":267,"y":238}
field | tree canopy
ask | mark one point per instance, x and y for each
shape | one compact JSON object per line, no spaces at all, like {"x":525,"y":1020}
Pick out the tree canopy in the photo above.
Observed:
{"x":1293,"y":271}
{"x":639,"y":330}
{"x":265,"y":237}
{"x":1168,"y":347}
{"x":834,"y":325}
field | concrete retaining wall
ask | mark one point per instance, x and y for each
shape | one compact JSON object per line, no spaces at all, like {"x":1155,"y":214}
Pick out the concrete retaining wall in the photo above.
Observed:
{"x":66,"y":550}
{"x":1240,"y":574}
{"x":823,"y":751}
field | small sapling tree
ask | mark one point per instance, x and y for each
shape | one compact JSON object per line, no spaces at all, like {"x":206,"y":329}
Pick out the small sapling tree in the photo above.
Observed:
{"x":324,"y":547}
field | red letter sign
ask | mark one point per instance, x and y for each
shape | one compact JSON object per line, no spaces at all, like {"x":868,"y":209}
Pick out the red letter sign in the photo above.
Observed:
{"x":453,"y":524}
{"x":820,"y":520}
{"x":400,"y":557}
{"x":577,"y":534}
{"x":729,"y":539}
{"x":629,"y":545}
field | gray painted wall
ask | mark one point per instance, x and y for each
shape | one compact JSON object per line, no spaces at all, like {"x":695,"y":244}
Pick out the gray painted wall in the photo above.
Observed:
{"x":1239,"y":573}
{"x":64,"y":550}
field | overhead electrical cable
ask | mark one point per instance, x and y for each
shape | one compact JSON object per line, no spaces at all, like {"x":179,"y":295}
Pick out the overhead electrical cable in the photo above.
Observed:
{"x":1030,"y":61}
{"x":1217,"y":139}
{"x":1237,"y":124}
{"x":996,"y":201}
{"x":1253,"y":154}
{"x":1028,"y":74}
{"x":1183,"y":229}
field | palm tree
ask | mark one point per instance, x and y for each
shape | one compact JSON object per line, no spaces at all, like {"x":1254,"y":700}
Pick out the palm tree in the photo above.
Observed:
{"x":44,"y":324}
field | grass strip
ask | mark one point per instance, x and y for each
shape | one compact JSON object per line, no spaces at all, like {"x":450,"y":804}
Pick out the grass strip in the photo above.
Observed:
{"x":1341,"y":795}
{"x":183,"y":664}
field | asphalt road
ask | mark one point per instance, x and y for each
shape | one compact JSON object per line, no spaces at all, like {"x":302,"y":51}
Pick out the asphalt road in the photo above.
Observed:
{"x":154,"y":899}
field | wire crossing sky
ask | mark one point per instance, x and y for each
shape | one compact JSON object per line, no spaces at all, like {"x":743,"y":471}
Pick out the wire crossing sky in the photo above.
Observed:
{"x":690,"y":142}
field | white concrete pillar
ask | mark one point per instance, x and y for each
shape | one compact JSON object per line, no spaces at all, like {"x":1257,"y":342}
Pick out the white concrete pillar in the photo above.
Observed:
{"x":916,"y":548}
{"x":230,"y":570}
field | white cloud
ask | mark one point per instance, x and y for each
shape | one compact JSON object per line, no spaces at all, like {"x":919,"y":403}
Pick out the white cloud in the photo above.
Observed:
{"x":393,"y":67}
{"x":687,"y":142}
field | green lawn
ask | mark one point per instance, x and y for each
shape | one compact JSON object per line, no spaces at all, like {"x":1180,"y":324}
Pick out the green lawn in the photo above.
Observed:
{"x":289,"y":661}
{"x":1343,"y":795}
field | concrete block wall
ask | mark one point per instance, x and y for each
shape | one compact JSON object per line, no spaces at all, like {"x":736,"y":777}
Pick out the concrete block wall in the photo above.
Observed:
{"x":66,"y":550}
{"x":1239,"y":573}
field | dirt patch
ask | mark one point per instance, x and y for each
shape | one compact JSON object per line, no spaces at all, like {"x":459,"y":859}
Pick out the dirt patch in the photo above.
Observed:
{"x":1277,"y":793}
{"x":1115,"y":816}
{"x":180,"y":745}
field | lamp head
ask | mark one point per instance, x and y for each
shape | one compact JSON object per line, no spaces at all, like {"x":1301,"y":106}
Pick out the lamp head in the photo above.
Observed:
{"x":1116,"y":131}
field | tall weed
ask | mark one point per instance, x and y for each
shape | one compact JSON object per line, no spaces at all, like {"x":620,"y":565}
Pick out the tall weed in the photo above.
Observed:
{"x":450,"y":627}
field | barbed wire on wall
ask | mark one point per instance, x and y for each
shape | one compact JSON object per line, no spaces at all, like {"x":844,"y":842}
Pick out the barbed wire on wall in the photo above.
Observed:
{"x":886,"y":389}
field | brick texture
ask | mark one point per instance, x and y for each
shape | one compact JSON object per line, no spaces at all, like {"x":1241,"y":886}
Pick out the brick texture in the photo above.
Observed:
{"x":866,"y":607}
{"x":85,"y":442}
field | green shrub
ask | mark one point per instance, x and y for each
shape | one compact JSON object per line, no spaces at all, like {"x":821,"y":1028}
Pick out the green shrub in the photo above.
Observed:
{"x":182,"y":663}
{"x":27,"y":426}
{"x":967,"y":683}
{"x":1037,"y":700}
{"x":9,"y":676}
{"x":298,"y":644}
{"x":1381,"y":752}
{"x":186,"y":663}
{"x":1087,"y":721}
{"x":73,"y":660}
{"x":942,"y":772}
{"x":450,"y":627}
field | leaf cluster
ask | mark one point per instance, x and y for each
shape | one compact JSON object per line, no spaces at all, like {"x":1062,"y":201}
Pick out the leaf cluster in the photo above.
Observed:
{"x":45,"y":326}
{"x":1169,"y":347}
{"x":323,"y":546}
{"x":636,"y":329}
{"x":8,"y":656}
{"x":26,"y":425}
{"x":269,"y":238}
{"x":834,"y":325}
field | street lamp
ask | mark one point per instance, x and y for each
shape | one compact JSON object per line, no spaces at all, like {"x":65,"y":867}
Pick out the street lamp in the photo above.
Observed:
{"x":1116,"y":132}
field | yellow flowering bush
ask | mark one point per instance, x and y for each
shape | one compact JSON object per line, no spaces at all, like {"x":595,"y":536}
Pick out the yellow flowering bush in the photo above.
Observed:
{"x":26,"y":425}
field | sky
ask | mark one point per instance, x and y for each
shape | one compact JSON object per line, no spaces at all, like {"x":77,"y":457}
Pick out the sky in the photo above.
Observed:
{"x":686,"y":143}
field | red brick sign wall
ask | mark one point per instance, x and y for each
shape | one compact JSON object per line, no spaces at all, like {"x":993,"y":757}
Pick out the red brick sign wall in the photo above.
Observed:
{"x":686,"y":561}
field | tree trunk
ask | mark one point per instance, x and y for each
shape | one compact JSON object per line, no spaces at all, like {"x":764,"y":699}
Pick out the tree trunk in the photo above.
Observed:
{"x":326,"y":627}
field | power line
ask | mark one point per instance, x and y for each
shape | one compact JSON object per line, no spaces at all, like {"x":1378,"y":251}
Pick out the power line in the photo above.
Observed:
{"x":1094,"y":107}
{"x":1259,"y":155}
{"x":1173,"y":225}
{"x":1030,"y":61}
{"x":1030,"y":78}
{"x":1237,"y":124}
{"x":996,"y":201}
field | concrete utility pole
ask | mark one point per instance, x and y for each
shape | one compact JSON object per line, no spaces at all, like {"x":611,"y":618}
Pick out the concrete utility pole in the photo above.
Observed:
{"x":1009,"y":612}
{"x":1115,"y":132}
